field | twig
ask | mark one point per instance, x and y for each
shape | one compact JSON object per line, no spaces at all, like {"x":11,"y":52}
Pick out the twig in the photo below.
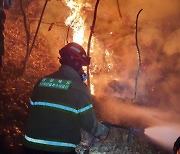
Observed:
{"x":139,"y":57}
{"x":27,"y":30}
{"x":32,"y":45}
{"x":51,"y":26}
{"x":119,"y":10}
{"x":68,"y":31}
{"x":48,"y":23}
{"x":67,"y":34}
{"x":89,"y":41}
{"x":37,"y":30}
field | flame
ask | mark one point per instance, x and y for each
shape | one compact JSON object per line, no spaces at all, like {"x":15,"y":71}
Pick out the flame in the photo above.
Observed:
{"x":76,"y":21}
{"x":164,"y":135}
{"x":107,"y":57}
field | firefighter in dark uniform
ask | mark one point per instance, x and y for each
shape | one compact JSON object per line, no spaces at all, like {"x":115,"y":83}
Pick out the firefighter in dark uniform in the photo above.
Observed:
{"x":4,"y":4}
{"x":61,"y":106}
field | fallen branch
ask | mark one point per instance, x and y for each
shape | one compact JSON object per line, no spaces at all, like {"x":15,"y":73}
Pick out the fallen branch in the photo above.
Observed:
{"x":89,"y":40}
{"x":139,"y":57}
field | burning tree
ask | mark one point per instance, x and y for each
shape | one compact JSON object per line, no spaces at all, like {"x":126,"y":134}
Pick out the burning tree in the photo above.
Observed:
{"x":113,"y":67}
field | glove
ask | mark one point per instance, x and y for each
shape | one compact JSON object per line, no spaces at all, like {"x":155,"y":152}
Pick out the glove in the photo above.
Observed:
{"x":107,"y":124}
{"x":102,"y":131}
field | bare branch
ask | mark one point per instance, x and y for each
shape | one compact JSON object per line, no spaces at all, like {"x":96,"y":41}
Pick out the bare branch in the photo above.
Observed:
{"x":29,"y":49}
{"x":89,"y":41}
{"x":119,"y":10}
{"x":139,"y":57}
{"x":58,"y":24}
{"x":27,"y":27}
{"x":27,"y":30}
{"x":37,"y":30}
{"x":68,"y":31}
{"x":67,"y":34}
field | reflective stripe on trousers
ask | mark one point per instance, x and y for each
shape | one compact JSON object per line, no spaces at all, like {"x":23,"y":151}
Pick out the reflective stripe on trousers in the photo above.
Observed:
{"x":47,"y":142}
{"x":62,"y":107}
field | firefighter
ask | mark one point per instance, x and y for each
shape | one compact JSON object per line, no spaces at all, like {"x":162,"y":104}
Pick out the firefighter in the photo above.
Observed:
{"x":61,"y":106}
{"x":176,"y":147}
{"x":4,"y":4}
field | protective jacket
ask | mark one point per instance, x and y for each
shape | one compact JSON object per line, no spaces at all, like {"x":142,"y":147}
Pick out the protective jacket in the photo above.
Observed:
{"x":60,"y":107}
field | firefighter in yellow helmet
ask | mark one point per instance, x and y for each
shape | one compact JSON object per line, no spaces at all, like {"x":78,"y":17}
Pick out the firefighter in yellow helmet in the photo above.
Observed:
{"x":61,"y":106}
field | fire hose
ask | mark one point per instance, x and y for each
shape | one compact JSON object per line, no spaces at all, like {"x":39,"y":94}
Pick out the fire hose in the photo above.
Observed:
{"x":131,"y":131}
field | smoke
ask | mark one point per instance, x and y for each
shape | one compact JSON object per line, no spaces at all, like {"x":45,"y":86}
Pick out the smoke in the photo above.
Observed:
{"x":158,"y":84}
{"x":115,"y":61}
{"x":158,"y":35}
{"x":160,"y":126}
{"x":124,"y":112}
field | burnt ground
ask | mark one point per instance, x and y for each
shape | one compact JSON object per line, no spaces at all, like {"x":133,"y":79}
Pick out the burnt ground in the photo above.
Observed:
{"x":16,"y":87}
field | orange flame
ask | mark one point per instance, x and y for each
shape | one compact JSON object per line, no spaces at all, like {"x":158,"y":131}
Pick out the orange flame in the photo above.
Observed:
{"x":77,"y":23}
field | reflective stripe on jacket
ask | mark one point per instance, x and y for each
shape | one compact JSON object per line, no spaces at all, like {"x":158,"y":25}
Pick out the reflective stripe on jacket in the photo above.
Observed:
{"x":60,"y":107}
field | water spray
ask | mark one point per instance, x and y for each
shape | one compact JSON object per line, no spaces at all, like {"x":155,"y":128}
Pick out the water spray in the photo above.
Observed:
{"x":163,"y":135}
